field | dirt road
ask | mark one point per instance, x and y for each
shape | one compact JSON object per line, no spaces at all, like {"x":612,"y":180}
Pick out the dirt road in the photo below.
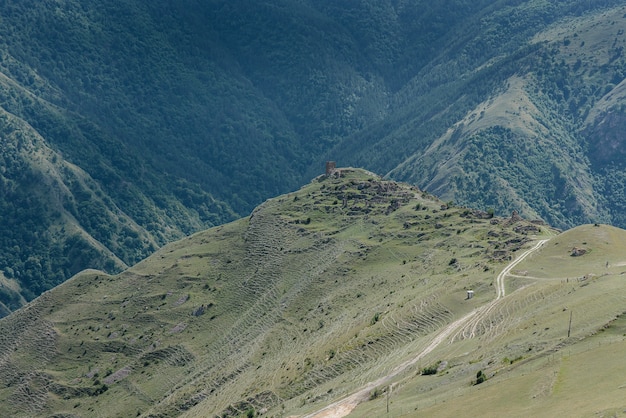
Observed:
{"x":468,"y":322}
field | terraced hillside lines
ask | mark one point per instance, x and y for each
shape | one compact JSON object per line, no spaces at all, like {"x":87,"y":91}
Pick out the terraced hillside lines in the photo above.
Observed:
{"x":256,"y":295}
{"x":492,"y":323}
{"x":38,"y":336}
{"x":425,"y":317}
{"x":270,"y":264}
{"x":428,"y":317}
{"x":344,"y":406}
{"x":254,"y":305}
{"x":301,"y":273}
{"x":504,"y":315}
{"x":261,"y":402}
{"x":470,"y":321}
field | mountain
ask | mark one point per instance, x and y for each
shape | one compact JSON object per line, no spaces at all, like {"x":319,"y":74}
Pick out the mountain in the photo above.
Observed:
{"x":351,"y":285}
{"x":126,"y":125}
{"x":544,"y":133}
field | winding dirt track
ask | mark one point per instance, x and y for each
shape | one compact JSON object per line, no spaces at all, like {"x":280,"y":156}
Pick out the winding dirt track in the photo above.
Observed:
{"x":470,"y":321}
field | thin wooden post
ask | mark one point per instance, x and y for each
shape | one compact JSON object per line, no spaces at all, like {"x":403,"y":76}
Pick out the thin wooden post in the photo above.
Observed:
{"x":388,"y":394}
{"x":569,"y":329}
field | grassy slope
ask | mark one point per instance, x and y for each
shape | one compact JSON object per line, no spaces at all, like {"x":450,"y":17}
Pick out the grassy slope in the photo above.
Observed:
{"x":304,"y":301}
{"x":314,"y":295}
{"x":534,"y":369}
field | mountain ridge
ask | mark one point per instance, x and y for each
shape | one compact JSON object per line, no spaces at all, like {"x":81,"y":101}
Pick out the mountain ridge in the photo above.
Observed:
{"x":184,"y":117}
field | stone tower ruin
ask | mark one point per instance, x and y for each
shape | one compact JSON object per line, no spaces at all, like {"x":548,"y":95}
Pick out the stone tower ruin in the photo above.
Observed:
{"x":331,"y":166}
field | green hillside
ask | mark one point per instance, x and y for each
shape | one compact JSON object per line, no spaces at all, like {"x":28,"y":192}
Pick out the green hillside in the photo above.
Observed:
{"x":351,"y":285}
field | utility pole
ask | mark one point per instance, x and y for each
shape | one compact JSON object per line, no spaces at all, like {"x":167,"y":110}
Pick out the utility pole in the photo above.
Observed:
{"x":388,"y":393}
{"x":569,"y":329}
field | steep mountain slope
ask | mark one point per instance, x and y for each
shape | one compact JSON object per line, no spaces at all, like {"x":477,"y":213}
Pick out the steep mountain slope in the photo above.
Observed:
{"x":184,"y":116}
{"x":530,"y":130}
{"x":308,"y":299}
{"x":57,"y":219}
{"x":180,"y":116}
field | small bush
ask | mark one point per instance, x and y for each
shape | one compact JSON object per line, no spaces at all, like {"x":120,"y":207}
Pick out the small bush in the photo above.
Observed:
{"x":480,"y":377}
{"x":375,"y":394}
{"x":430,"y":370}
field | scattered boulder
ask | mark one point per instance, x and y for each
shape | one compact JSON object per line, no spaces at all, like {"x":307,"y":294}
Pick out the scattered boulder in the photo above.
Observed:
{"x":199,"y":310}
{"x":577,"y":252}
{"x":178,"y":328}
{"x":525,"y":229}
{"x":118,"y":375}
{"x":181,"y":300}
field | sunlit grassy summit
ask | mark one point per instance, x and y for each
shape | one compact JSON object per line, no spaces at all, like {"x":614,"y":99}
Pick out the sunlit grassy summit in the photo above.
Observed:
{"x":314,"y":296}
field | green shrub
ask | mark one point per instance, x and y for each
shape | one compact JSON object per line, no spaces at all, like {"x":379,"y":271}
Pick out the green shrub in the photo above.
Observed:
{"x":430,"y":370}
{"x":375,"y":394}
{"x":480,"y":377}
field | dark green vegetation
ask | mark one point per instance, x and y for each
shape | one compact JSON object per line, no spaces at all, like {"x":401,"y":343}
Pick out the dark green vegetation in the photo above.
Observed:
{"x":127,"y":124}
{"x":313,"y":296}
